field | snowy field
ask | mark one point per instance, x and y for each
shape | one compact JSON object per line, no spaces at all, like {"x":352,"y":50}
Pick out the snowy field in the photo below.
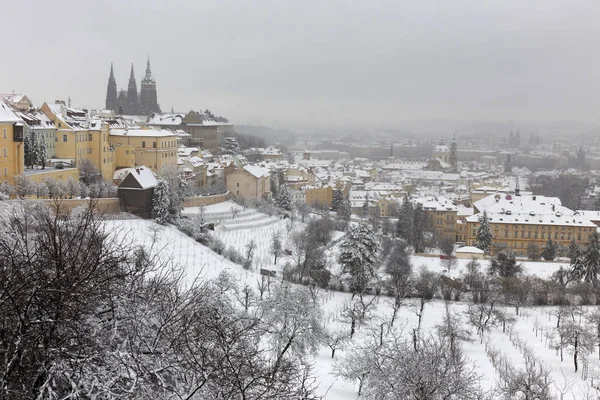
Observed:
{"x":533,"y":327}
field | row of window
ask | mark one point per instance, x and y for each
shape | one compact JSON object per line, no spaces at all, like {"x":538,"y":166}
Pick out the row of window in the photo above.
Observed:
{"x":170,"y":143}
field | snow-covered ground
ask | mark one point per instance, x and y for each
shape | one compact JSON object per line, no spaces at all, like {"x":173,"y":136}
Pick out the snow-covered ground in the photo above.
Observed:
{"x":534,"y":326}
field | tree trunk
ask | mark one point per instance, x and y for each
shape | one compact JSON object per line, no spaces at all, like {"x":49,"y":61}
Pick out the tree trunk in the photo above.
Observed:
{"x":575,"y":346}
{"x":333,"y":352}
{"x":352,"y":327}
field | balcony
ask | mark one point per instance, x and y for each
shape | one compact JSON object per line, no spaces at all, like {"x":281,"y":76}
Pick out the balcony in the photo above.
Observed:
{"x":18,"y":132}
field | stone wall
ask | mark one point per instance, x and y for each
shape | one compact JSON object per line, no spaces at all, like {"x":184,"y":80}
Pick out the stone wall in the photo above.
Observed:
{"x":206,"y":200}
{"x":65,"y":206}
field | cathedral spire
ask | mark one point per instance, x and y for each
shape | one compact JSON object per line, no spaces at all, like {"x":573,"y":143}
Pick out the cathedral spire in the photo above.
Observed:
{"x":111,"y":91}
{"x":131,"y":76}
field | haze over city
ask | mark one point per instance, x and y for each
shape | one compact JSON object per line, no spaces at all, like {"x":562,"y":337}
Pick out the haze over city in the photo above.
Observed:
{"x":316,"y":64}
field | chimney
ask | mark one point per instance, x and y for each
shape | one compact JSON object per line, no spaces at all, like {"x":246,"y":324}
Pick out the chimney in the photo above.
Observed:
{"x":137,"y":170}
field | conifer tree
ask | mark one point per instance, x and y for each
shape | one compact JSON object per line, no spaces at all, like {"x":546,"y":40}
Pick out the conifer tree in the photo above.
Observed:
{"x":549,"y":250}
{"x":484,"y":234}
{"x":365,"y":206}
{"x":284,"y":200}
{"x":574,"y":250}
{"x":345,"y":210}
{"x":336,"y":200}
{"x":587,"y":266}
{"x":404,"y":227}
{"x":161,"y":202}
{"x":358,"y":255}
{"x":28,"y":150}
{"x":43,"y":153}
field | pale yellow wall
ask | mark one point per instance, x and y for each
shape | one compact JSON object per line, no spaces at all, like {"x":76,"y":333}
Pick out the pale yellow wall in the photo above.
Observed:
{"x":56,"y":174}
{"x":243,"y":184}
{"x":155,"y":158}
{"x":315,"y":196}
{"x":124,"y":155}
{"x":531,"y":233}
{"x":11,"y":154}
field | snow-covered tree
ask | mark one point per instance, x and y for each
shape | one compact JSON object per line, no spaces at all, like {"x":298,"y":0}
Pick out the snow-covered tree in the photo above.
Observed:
{"x":587,"y":266}
{"x":276,"y":247}
{"x":549,"y":250}
{"x":230,"y":146}
{"x":345,"y":209}
{"x":29,"y":150}
{"x":337,"y":198}
{"x":358,"y":255}
{"x":404,"y":227}
{"x":365,"y":206}
{"x":504,"y":265}
{"x":284,"y":199}
{"x":419,"y":227}
{"x":161,"y":202}
{"x":387,"y":367}
{"x":43,"y":152}
{"x":574,"y":250}
{"x":484,"y":234}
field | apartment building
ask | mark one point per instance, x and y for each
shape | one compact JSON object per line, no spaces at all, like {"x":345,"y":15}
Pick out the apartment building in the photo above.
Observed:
{"x":154,"y":148}
{"x":519,"y":220}
{"x":11,"y":143}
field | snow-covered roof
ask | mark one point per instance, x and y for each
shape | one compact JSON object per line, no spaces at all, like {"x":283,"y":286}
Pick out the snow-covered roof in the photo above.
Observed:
{"x":143,"y":175}
{"x":7,"y":114}
{"x":256,"y":171}
{"x":165,"y":119}
{"x":469,"y":250}
{"x":141,"y":132}
{"x":437,"y":204}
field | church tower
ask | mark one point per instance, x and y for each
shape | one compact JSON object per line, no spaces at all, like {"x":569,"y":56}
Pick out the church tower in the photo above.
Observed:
{"x":453,"y":157}
{"x":111,"y":91}
{"x":148,"y":97}
{"x":132,"y":94}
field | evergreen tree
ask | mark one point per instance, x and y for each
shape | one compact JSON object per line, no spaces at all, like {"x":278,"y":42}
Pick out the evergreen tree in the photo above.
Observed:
{"x":43,"y":153}
{"x":597,"y":203}
{"x":358,"y":255}
{"x":336,"y":200}
{"x":574,"y":250}
{"x":35,"y":153}
{"x":161,"y":202}
{"x":505,"y":265}
{"x":27,"y":151}
{"x":345,"y":210}
{"x":365,"y":206}
{"x":484,"y":234}
{"x":419,"y":224}
{"x":587,"y":266}
{"x":404,"y":227}
{"x":284,"y":200}
{"x":549,"y":250}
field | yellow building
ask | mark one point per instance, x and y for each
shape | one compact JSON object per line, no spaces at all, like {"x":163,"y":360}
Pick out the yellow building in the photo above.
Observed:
{"x":79,"y":138}
{"x":154,"y":148}
{"x":250,"y":182}
{"x":316,"y":196}
{"x":11,"y":144}
{"x":441,"y":216}
{"x":517,"y":221}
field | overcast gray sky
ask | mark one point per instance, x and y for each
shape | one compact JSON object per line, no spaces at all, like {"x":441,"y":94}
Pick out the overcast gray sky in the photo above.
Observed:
{"x":316,"y":62}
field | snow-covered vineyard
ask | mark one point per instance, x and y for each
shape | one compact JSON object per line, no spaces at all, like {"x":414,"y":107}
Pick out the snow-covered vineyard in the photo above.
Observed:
{"x":495,"y":340}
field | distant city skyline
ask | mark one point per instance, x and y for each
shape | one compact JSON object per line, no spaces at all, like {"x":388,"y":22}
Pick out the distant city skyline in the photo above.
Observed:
{"x":318,"y":64}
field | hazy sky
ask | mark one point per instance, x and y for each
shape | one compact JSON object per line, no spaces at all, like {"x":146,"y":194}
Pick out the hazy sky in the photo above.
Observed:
{"x":316,"y":62}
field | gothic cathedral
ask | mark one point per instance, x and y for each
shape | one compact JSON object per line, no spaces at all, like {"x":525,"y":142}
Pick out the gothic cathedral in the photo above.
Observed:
{"x":131,"y":102}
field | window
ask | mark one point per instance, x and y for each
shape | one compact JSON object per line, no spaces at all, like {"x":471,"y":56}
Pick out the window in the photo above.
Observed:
{"x":238,"y":184}
{"x":5,"y":171}
{"x":143,"y":144}
{"x":65,"y":138}
{"x":90,"y":137}
{"x":59,"y":125}
{"x":154,"y":144}
{"x":5,"y":152}
{"x":4,"y":133}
